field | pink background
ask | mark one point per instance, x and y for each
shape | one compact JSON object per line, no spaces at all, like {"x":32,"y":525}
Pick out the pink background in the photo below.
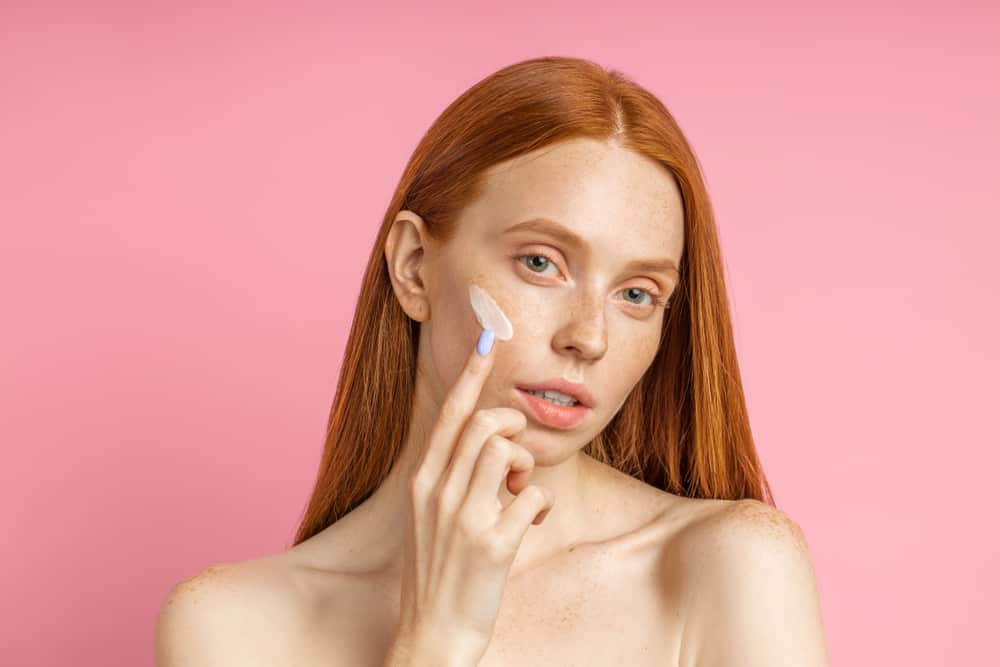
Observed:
{"x":189,"y":195}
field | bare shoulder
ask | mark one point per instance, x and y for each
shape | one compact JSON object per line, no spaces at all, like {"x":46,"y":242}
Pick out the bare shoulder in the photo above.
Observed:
{"x":228,"y":613}
{"x":750,"y":588}
{"x":742,"y":525}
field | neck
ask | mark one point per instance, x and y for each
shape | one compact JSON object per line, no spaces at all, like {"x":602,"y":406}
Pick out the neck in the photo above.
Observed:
{"x":565,"y":525}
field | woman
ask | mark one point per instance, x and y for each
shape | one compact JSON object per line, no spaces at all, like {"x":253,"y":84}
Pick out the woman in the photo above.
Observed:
{"x":570,"y":195}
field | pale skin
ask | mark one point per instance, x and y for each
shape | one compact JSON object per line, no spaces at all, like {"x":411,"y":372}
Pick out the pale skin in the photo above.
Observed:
{"x":619,"y":572}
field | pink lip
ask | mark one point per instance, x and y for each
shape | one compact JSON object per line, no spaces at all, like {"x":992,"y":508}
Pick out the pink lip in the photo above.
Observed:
{"x":550,"y":414}
{"x":574,"y":389}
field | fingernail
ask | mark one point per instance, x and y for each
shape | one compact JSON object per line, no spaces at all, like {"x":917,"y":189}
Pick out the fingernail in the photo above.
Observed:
{"x":485,"y":342}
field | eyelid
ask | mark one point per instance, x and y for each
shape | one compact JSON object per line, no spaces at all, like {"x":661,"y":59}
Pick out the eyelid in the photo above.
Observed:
{"x":544,"y":253}
{"x":654,"y":294}
{"x":656,"y":298}
{"x":529,"y":252}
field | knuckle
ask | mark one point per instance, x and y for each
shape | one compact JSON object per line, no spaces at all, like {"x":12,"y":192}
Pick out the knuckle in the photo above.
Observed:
{"x":497,"y":447}
{"x":419,"y":487}
{"x":468,"y":525}
{"x":447,"y":500}
{"x":452,"y":410}
{"x":537,"y":495}
{"x":484,"y":419}
{"x":515,"y":416}
{"x":495,"y":550}
{"x":524,"y":452}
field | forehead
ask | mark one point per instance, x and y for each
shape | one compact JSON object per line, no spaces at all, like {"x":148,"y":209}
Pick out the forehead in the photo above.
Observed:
{"x":611,"y":196}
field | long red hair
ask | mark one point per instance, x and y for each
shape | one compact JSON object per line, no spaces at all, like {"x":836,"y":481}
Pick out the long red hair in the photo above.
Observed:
{"x":684,"y":428}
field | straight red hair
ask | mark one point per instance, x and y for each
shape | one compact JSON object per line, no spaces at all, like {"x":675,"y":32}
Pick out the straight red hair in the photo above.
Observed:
{"x":684,"y":427}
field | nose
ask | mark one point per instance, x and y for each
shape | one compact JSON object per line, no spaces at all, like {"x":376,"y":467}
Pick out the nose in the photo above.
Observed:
{"x":585,"y":332}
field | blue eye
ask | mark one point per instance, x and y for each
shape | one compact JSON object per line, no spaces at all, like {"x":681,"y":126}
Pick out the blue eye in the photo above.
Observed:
{"x":545,"y":262}
{"x":654,"y":300}
{"x":641,"y":292}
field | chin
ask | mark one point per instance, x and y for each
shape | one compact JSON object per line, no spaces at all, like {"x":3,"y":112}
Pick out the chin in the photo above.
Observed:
{"x":548,"y":450}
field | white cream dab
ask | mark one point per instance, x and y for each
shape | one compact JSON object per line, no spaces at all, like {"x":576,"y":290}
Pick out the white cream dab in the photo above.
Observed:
{"x":489,"y":314}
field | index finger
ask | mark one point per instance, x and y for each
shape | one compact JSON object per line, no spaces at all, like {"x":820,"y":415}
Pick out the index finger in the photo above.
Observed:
{"x":458,"y":406}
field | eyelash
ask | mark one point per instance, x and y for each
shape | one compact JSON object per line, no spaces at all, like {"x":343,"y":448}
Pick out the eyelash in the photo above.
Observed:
{"x":658,"y":301}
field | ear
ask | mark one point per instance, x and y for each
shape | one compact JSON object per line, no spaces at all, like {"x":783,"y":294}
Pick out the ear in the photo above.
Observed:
{"x":406,"y":259}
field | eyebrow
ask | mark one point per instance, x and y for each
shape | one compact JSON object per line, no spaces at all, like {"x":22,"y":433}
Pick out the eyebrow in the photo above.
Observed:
{"x":569,"y":237}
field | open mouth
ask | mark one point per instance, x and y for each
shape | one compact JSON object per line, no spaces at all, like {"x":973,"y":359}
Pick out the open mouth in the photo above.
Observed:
{"x":553,"y":410}
{"x":554,"y":397}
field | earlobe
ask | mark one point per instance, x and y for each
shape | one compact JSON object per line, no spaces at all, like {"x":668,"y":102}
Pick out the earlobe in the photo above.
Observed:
{"x":404,"y":256}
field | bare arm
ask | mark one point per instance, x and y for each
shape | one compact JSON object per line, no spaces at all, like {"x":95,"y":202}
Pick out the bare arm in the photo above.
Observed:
{"x":752,"y":587}
{"x":209,"y":620}
{"x":236,"y":614}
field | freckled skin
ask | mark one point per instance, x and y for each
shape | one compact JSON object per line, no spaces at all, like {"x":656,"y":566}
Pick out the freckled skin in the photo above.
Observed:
{"x":570,"y":320}
{"x":767,"y":520}
{"x":206,"y":580}
{"x":607,"y":579}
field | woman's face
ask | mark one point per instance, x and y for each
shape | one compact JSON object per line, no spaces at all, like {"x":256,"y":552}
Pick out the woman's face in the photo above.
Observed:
{"x":580,"y":311}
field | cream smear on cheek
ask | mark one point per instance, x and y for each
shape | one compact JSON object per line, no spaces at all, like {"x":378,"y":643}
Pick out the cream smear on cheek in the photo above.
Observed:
{"x":489,"y":314}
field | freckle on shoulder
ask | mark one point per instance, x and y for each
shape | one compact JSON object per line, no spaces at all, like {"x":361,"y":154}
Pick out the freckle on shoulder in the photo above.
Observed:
{"x":239,"y":577}
{"x":210,"y":573}
{"x":218,"y":574}
{"x":754,"y":521}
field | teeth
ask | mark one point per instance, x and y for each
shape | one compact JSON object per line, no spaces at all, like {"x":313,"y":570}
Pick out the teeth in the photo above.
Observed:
{"x":554,"y":396}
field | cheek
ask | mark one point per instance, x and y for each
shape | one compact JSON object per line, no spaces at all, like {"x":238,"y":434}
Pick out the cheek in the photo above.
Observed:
{"x":644,"y":350}
{"x":527,"y":310}
{"x":647,"y":348}
{"x":512,"y":304}
{"x":631,"y":357}
{"x":525,"y":318}
{"x":452,"y":331}
{"x":453,"y":328}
